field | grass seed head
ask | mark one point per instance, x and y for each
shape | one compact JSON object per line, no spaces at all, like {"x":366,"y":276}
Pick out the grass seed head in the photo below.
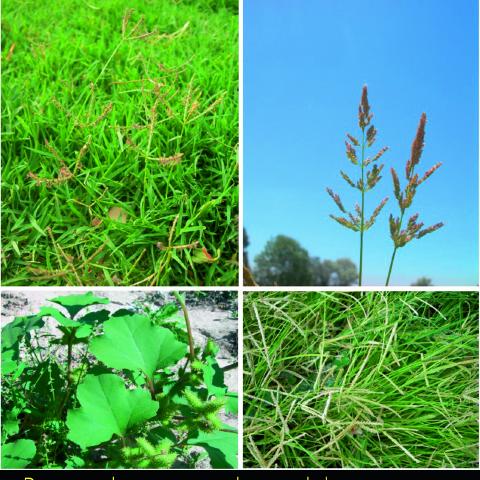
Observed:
{"x":430,"y":229}
{"x":417,"y":146}
{"x":371,"y":135}
{"x":336,"y":199}
{"x":172,"y":160}
{"x":351,"y":153}
{"x":364,"y":115}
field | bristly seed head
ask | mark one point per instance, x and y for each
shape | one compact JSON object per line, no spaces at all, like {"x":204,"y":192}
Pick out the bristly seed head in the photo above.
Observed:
{"x":351,"y":153}
{"x":396,"y":184}
{"x":336,"y":199}
{"x":375,"y":214}
{"x":429,"y":172}
{"x":430,"y":229}
{"x":373,"y":176}
{"x":371,"y":134}
{"x":364,"y":115}
{"x":353,"y":140}
{"x":343,"y":221}
{"x":347,"y":179}
{"x":369,"y":178}
{"x":417,"y":146}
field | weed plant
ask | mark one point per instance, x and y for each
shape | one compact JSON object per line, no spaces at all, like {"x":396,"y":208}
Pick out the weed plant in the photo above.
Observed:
{"x":414,"y":229}
{"x":112,"y":390}
{"x":358,"y":222}
{"x":361,"y":380}
{"x":119,"y":151}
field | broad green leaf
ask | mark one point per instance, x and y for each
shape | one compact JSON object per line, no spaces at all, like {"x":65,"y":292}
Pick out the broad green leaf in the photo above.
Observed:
{"x":74,"y":303}
{"x":10,"y":425}
{"x":211,"y":349}
{"x":12,"y":334}
{"x":83,"y":324}
{"x":16,"y":366}
{"x":18,"y":454}
{"x":123,"y":312}
{"x":84,"y":331}
{"x":132,"y":342}
{"x":74,"y":462}
{"x":14,"y":331}
{"x":107,"y":409}
{"x":92,"y":318}
{"x":214,"y":378}
{"x":222,"y":447}
{"x":10,"y":361}
{"x":159,"y":433}
{"x":58,"y":316}
{"x":232,"y":403}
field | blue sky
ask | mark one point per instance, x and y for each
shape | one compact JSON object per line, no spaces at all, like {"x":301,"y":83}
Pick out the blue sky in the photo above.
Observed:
{"x":305,"y":63}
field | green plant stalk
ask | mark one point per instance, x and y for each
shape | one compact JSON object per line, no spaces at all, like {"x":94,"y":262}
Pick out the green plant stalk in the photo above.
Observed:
{"x":362,"y":215}
{"x":32,"y":352}
{"x":69,"y":370}
{"x":394,"y":253}
{"x":391,"y":265}
{"x":69,"y":357}
{"x":151,"y":386}
{"x":189,"y":327}
{"x":84,"y":360}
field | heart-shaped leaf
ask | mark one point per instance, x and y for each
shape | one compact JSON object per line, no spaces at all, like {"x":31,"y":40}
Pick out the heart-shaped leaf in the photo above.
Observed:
{"x":14,"y":331}
{"x":232,"y":403}
{"x":58,"y":316}
{"x":222,"y":447}
{"x":75,"y":303}
{"x":93,"y":318}
{"x":11,"y":363}
{"x":10,"y":424}
{"x":18,"y":454}
{"x":12,"y":334}
{"x":133,"y":342}
{"x":107,"y":409}
{"x":213,"y":377}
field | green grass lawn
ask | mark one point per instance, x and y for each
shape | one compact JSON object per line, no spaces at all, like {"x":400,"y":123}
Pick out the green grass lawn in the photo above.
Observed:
{"x":345,"y":380}
{"x":120,"y":133}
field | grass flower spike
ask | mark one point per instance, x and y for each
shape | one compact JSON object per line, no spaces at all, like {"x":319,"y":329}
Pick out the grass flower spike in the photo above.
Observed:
{"x":414,"y":229}
{"x":357,"y":221}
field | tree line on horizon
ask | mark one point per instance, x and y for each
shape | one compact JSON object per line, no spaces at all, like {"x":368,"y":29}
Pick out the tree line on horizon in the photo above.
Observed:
{"x":284,"y":262}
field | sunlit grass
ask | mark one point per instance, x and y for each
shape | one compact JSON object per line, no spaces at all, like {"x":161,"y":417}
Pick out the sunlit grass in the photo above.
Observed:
{"x":138,"y":116}
{"x":352,"y":380}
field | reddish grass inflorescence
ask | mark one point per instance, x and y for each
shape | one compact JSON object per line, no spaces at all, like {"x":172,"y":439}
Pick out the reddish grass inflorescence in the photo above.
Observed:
{"x":405,"y":197}
{"x":368,"y":178}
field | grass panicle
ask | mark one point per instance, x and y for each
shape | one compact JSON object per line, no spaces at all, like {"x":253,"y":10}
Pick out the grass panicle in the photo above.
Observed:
{"x":414,"y":229}
{"x":368,"y":179}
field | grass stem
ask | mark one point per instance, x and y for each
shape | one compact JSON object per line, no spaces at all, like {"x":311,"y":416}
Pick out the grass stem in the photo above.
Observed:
{"x":394,"y":253}
{"x":362,"y":217}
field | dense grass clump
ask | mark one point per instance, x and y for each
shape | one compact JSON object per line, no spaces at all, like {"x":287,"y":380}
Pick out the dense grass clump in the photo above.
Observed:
{"x":120,"y":132}
{"x":347,"y":380}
